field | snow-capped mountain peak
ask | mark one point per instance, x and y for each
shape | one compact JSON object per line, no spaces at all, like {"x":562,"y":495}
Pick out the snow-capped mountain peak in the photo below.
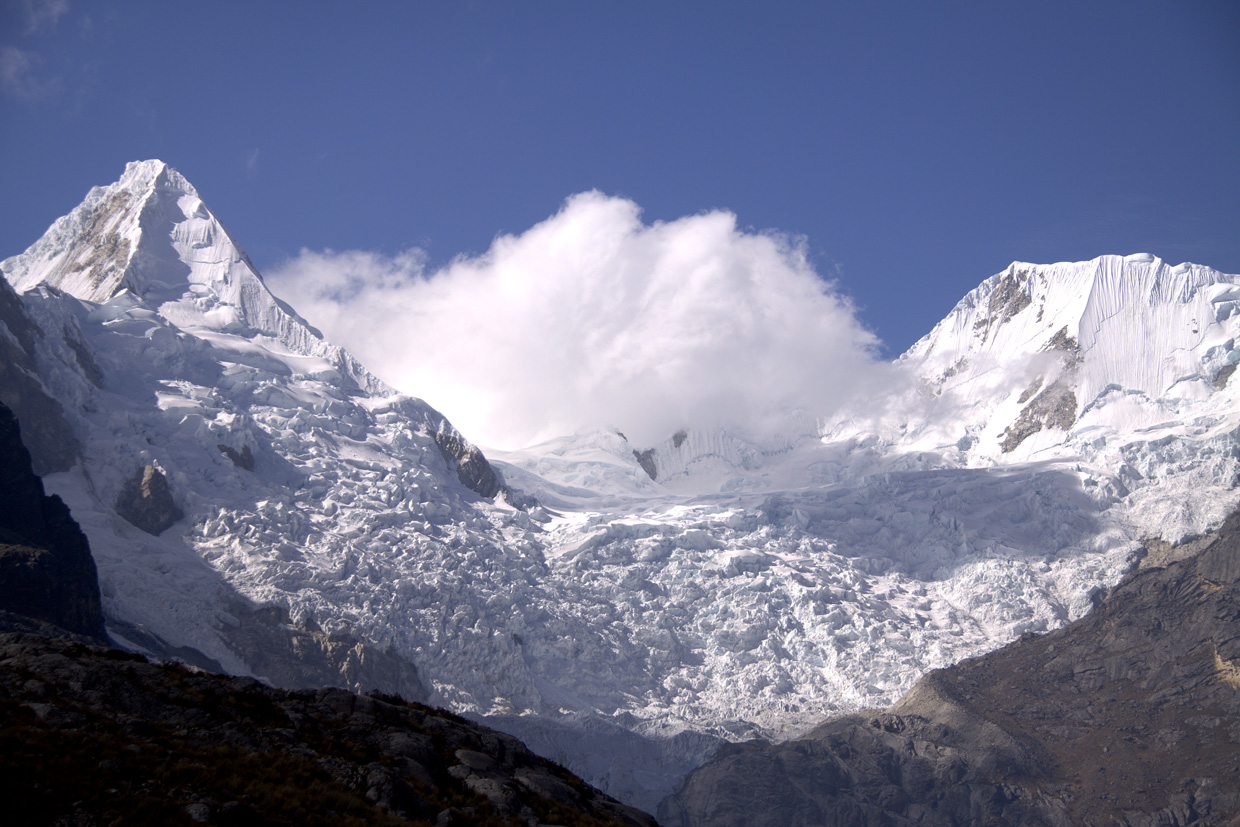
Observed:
{"x":150,"y":241}
{"x":179,"y":373}
{"x":121,"y":237}
{"x":719,"y":584}
{"x":1133,"y":320}
{"x":1035,"y":355}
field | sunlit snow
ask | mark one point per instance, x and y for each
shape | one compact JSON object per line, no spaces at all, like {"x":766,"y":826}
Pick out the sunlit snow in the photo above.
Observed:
{"x":1059,"y":415}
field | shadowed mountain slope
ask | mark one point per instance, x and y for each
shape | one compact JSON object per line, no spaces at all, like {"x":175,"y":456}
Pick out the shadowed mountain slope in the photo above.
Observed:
{"x":46,"y":570}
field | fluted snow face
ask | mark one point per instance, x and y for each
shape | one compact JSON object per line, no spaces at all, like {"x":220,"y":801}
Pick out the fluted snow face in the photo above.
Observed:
{"x":1119,"y":365}
{"x":1135,"y":322}
{"x":89,"y":252}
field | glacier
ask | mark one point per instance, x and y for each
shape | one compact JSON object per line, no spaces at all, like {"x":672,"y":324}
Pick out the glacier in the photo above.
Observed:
{"x":623,"y":608}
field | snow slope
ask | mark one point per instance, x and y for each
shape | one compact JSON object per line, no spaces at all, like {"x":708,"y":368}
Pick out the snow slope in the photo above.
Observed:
{"x":655,"y":598}
{"x":173,"y":354}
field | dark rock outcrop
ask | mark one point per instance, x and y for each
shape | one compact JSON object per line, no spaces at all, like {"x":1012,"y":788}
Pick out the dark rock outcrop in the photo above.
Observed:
{"x":304,"y":656}
{"x":1008,"y":297}
{"x":1054,"y":407}
{"x":472,"y":468}
{"x":1128,"y":716}
{"x":290,"y":655}
{"x":46,"y":569}
{"x":98,"y":736}
{"x":146,"y":501}
{"x":243,"y":459}
{"x":646,"y":460}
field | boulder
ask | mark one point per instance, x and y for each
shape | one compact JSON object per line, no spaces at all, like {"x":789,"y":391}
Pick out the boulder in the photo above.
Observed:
{"x":146,"y":501}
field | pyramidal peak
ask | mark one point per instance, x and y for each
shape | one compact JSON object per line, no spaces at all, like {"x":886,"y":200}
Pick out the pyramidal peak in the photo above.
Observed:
{"x":99,"y":248}
{"x":149,"y":243}
{"x":197,"y":405}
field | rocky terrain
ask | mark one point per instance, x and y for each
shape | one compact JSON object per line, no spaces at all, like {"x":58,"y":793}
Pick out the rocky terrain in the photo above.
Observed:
{"x":1130,"y":715}
{"x":46,"y":570}
{"x":91,"y":735}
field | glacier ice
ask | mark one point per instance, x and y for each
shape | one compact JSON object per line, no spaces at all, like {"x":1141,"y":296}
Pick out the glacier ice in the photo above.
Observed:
{"x":1055,"y":418}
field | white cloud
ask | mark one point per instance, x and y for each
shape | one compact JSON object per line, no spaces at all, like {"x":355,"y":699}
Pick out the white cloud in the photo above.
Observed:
{"x":19,"y":68}
{"x":592,"y":318}
{"x":17,"y":74}
{"x":251,"y":163}
{"x":43,"y":14}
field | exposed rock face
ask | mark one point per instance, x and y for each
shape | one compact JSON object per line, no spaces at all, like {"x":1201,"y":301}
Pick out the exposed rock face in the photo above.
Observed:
{"x":472,"y":468}
{"x":1225,"y":372}
{"x":46,"y":432}
{"x":1054,"y":407}
{"x":46,"y":570}
{"x":307,"y":657}
{"x":1009,"y":297}
{"x":243,"y":459}
{"x":95,"y":735}
{"x":146,"y":501}
{"x":646,"y":460}
{"x":1130,"y":716}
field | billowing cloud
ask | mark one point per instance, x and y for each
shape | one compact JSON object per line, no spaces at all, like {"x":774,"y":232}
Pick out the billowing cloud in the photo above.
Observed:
{"x":593,"y":319}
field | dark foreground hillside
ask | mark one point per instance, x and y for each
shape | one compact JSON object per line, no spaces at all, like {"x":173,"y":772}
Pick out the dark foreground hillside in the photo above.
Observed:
{"x":1130,"y":716}
{"x":95,"y":736}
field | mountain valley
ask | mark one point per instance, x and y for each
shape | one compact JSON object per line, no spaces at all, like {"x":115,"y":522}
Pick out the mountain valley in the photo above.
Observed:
{"x":259,"y":504}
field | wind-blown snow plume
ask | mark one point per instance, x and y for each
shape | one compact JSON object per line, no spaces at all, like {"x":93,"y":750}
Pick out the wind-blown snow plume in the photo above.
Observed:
{"x":592,"y":318}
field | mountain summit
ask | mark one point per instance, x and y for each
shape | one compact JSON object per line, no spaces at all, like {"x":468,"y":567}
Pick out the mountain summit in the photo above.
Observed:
{"x":259,"y":503}
{"x":150,"y":238}
{"x":132,"y":235}
{"x":1120,"y":366}
{"x":1087,"y":332}
{"x":1134,"y":322}
{"x":191,"y":393}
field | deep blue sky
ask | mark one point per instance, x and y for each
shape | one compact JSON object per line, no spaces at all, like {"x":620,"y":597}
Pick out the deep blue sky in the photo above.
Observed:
{"x":919,"y":147}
